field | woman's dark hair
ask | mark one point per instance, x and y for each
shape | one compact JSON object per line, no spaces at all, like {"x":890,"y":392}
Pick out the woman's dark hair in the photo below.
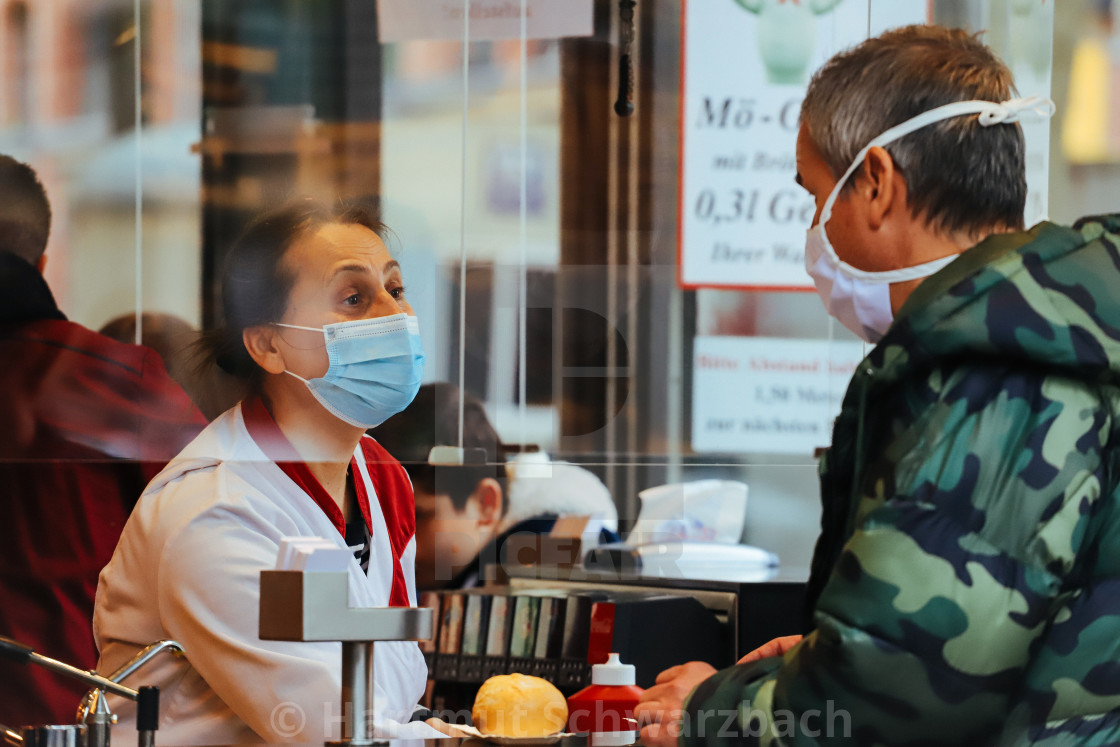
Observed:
{"x":256,"y":282}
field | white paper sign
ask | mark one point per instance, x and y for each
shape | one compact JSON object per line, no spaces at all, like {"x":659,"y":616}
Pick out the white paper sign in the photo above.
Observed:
{"x":404,"y":20}
{"x":768,"y":396}
{"x":746,"y":66}
{"x":1030,"y":36}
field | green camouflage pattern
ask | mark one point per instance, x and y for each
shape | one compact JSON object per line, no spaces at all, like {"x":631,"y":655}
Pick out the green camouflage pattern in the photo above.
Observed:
{"x":966,"y":585}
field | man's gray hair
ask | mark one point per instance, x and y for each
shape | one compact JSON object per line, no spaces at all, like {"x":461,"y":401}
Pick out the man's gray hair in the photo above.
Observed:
{"x":959,"y":175}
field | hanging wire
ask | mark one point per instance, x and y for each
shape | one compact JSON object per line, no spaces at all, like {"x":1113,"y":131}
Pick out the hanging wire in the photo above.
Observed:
{"x":613,"y":177}
{"x":633,"y":282}
{"x":624,"y":104}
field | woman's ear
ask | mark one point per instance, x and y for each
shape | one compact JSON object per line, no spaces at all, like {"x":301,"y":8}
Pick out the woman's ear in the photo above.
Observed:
{"x":260,"y":341}
{"x":883,"y":186}
{"x":488,"y":493}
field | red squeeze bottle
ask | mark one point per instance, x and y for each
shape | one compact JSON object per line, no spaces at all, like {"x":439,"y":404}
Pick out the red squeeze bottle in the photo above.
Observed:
{"x":605,"y":709}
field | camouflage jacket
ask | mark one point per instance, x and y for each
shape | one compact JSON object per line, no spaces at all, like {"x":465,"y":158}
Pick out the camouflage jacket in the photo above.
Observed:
{"x":966,"y":585}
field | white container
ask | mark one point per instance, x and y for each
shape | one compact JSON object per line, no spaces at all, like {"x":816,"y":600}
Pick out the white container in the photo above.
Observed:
{"x":703,"y":510}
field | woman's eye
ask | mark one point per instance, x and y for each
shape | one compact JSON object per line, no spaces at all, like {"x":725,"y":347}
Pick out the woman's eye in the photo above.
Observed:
{"x":397,"y":293}
{"x":352,"y":300}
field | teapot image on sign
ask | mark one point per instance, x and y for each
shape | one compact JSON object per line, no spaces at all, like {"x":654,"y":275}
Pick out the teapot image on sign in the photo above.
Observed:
{"x":786,"y":35}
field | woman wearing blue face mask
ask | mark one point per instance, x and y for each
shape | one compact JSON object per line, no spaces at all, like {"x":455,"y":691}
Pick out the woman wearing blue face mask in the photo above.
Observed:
{"x":317,"y":327}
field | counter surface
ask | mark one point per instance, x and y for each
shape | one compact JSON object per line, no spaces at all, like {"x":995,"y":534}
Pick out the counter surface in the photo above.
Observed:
{"x":573,"y":741}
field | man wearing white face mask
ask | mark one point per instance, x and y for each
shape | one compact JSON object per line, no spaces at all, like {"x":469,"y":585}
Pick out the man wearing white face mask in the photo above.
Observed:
{"x":963,"y":589}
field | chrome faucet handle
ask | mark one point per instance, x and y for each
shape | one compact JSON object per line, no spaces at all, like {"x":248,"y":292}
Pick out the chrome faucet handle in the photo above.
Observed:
{"x":24,"y":654}
{"x":94,"y":711}
{"x":142,"y":657}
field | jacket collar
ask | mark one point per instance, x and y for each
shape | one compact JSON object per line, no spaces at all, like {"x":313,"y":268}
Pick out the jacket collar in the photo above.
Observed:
{"x":26,"y":297}
{"x":926,"y":295}
{"x":1005,"y":299}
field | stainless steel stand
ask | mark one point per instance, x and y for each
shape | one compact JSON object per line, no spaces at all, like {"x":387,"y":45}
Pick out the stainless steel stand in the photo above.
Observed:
{"x":357,"y":673}
{"x":315,"y":606}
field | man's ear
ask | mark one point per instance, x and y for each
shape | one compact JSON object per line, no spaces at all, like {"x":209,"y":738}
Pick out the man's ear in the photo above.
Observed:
{"x":882,"y":186}
{"x":41,"y":263}
{"x":488,"y":493}
{"x":260,"y":341}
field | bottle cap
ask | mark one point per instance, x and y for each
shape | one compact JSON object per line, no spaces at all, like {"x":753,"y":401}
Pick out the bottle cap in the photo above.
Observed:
{"x":614,"y":672}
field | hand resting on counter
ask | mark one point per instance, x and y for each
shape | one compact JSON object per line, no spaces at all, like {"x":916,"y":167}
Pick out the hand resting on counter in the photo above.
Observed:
{"x":659,"y":710}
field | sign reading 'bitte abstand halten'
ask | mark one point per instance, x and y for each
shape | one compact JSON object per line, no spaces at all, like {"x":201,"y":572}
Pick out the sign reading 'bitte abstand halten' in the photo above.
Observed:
{"x":768,"y":396}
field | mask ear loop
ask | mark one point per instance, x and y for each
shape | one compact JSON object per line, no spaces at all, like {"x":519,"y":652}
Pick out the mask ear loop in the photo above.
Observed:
{"x":297,"y":326}
{"x":308,"y":329}
{"x":305,"y":381}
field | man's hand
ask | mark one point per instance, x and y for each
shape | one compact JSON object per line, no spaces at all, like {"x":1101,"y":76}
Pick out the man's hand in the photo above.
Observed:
{"x":659,"y":708}
{"x":776,"y":647}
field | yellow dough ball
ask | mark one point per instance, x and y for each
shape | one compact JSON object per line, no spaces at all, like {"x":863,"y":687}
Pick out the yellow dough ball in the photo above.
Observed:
{"x":517,"y":705}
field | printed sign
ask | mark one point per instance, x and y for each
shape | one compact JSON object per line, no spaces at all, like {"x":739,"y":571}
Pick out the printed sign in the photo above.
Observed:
{"x":1029,"y":53}
{"x":768,"y":396}
{"x":746,"y":65}
{"x":404,"y":20}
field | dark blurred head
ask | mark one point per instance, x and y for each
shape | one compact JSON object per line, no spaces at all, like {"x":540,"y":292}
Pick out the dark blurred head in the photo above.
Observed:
{"x":174,"y":339}
{"x":25,"y":212}
{"x":166,"y":334}
{"x":460,"y":508}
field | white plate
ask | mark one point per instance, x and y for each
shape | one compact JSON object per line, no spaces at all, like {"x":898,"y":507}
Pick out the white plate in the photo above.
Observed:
{"x":471,"y":731}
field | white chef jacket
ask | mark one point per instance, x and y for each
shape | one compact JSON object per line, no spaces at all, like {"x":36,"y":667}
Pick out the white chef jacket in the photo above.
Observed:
{"x":188,"y":568}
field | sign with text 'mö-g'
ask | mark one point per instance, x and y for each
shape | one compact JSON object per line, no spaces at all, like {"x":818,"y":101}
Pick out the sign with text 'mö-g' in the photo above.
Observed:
{"x":768,"y":396}
{"x":746,"y":64}
{"x":404,"y":20}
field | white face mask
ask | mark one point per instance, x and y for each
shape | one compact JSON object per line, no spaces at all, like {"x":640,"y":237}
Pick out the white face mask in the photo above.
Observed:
{"x":861,"y":300}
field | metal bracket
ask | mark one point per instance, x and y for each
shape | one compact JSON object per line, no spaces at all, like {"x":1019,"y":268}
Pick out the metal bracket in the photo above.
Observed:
{"x":315,"y":606}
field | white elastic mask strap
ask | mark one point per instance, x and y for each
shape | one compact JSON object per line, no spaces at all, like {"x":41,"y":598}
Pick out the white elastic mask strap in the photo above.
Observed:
{"x":297,"y":326}
{"x":305,"y":381}
{"x":991,"y":113}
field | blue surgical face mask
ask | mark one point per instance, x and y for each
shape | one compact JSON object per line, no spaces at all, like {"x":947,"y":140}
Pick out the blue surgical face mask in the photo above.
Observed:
{"x":375,"y":368}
